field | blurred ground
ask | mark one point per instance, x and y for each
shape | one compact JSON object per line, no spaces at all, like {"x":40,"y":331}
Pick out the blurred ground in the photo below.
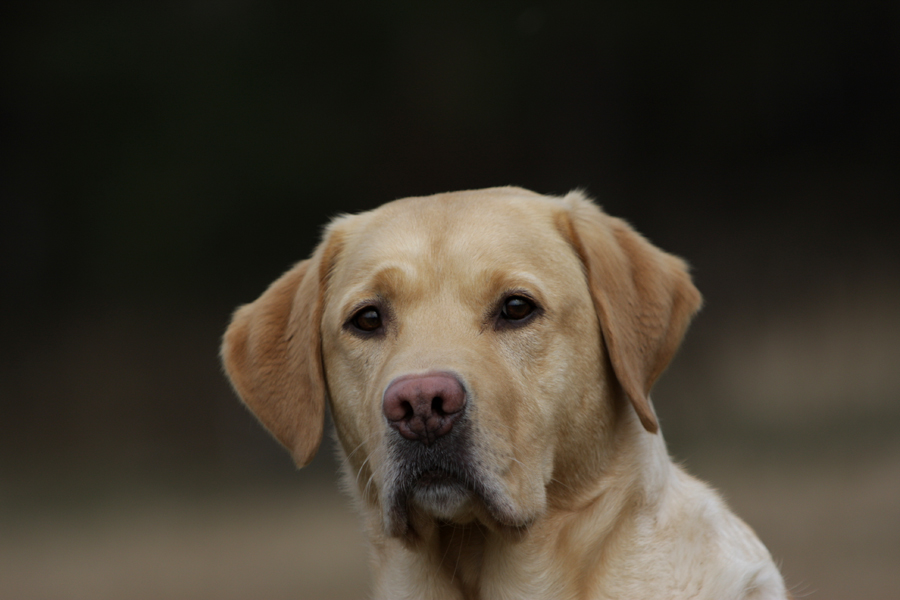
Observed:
{"x":832,"y":523}
{"x":270,"y":543}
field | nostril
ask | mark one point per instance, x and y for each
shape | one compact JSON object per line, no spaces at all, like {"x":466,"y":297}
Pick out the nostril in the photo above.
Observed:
{"x":408,"y":411}
{"x":437,"y":406}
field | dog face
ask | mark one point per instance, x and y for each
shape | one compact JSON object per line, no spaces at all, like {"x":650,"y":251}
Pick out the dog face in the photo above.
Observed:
{"x":473,"y":347}
{"x":489,"y":298}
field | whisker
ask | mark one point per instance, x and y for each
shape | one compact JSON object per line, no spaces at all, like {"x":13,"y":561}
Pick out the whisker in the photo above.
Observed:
{"x":449,"y":544}
{"x":347,"y":457}
{"x":462,"y":544}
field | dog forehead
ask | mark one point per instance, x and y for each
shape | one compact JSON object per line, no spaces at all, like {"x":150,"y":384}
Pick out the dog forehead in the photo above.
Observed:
{"x":484,"y":227}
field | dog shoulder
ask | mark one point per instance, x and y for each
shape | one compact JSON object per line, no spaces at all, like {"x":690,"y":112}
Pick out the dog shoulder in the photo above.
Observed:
{"x":709,"y":548}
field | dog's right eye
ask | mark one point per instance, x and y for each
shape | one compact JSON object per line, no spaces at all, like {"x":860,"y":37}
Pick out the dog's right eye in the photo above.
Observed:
{"x":366,"y":319}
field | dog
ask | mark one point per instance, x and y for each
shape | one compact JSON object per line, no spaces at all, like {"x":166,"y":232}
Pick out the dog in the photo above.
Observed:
{"x":487,"y":357}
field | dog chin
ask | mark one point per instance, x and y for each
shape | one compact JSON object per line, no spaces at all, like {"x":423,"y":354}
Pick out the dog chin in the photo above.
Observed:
{"x":444,"y":500}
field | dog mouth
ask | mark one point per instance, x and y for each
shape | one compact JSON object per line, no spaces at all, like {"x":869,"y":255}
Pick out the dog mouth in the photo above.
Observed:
{"x":444,"y":482}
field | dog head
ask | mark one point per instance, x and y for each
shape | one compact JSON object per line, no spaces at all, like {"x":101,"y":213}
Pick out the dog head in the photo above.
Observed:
{"x":472,"y":346}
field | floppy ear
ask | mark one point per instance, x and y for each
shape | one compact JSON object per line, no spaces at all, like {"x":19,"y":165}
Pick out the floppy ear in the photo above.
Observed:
{"x":272,"y":353}
{"x":643,"y":296}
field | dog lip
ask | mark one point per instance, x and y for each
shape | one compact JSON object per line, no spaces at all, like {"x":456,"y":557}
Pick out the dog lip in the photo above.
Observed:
{"x":441,"y":479}
{"x":436,"y":476}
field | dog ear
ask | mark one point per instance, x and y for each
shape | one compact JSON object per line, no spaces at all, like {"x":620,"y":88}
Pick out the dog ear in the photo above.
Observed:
{"x":643,"y":296}
{"x":272,"y":353}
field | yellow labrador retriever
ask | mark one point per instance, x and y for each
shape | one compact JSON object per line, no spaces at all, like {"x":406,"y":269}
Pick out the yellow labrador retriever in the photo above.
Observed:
{"x":488,"y":357}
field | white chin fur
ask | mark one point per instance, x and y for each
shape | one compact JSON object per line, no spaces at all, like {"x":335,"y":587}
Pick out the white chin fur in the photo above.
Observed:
{"x":448,"y":502}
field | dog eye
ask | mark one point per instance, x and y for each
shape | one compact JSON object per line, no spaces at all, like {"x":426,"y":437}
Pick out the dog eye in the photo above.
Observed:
{"x":366,"y":319}
{"x":516,"y":308}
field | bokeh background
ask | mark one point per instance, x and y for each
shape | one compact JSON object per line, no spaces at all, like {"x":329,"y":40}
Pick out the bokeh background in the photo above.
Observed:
{"x":163,"y":162}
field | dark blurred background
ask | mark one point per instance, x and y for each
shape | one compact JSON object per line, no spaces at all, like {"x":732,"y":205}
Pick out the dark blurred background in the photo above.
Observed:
{"x":162,"y":163}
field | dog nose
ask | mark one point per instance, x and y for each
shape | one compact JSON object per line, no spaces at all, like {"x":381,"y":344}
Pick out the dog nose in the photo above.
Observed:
{"x":424,"y":407}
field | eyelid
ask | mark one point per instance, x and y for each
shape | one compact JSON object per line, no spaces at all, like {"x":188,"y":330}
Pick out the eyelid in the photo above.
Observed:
{"x":358,"y":306}
{"x":519,"y":293}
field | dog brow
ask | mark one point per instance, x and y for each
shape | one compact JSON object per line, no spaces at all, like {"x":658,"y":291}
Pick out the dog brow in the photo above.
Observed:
{"x":388,"y":281}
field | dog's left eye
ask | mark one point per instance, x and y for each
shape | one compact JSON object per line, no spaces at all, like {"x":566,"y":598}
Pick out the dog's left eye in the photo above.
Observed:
{"x":516,"y":308}
{"x":367,"y":319}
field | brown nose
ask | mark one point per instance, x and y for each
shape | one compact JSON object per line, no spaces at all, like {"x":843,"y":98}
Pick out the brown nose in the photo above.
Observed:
{"x":424,"y":407}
